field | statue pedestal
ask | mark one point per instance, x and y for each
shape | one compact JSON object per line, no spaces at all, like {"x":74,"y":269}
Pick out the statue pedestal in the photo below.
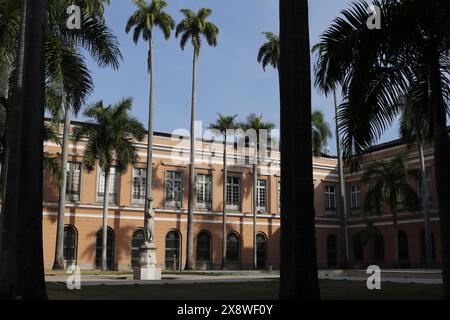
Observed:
{"x":147,"y":269}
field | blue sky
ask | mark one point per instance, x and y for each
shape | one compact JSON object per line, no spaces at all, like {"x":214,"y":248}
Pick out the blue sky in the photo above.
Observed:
{"x":230,"y":81}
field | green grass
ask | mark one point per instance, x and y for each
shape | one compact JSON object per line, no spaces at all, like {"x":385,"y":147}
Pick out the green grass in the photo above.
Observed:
{"x":267,"y":290}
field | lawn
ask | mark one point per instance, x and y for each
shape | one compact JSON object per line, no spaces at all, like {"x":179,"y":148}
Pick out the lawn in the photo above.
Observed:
{"x":267,"y":290}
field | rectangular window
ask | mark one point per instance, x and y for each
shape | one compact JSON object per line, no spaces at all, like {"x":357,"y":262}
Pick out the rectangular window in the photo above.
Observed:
{"x":204,"y":191}
{"x":400,"y":202}
{"x":261,"y":196}
{"x":174,"y":189}
{"x":355,"y":197}
{"x":73,"y":182}
{"x":233,"y":193}
{"x":112,"y":185}
{"x":139,"y":185}
{"x":330,"y":198}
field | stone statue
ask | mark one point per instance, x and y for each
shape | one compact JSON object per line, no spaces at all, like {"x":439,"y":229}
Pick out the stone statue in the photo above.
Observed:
{"x":149,"y":222}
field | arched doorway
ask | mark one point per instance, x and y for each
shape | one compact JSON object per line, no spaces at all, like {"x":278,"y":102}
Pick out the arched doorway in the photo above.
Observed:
{"x":136,"y":242}
{"x":109,"y":249}
{"x":403,"y":250}
{"x":173,"y":245}
{"x":261,"y":250}
{"x":358,"y":249}
{"x":378,"y":247}
{"x":70,"y":244}
{"x":233,"y":249}
{"x":332,"y":251}
{"x":203,"y":250}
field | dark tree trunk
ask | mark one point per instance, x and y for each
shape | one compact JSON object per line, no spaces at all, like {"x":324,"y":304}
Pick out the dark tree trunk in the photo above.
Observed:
{"x":298,"y":278}
{"x":21,"y":254}
{"x":442,"y":169}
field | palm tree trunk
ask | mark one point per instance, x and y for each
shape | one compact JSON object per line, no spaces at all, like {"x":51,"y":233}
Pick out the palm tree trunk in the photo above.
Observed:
{"x":255,"y":203}
{"x":343,"y":199}
{"x":149,"y":174}
{"x":58,"y":264}
{"x":105,"y":221}
{"x":190,"y":235}
{"x":442,"y":169}
{"x":298,"y":274}
{"x":21,"y":254}
{"x":224,"y":205}
{"x":426,"y":208}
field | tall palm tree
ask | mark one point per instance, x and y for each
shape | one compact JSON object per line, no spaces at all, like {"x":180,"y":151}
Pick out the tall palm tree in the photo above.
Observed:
{"x":143,"y":20}
{"x":21,"y":255}
{"x":110,"y":134}
{"x":388,"y":184}
{"x":255,"y":122}
{"x":269,"y":54}
{"x":104,"y":49}
{"x":376,"y":68}
{"x":223,"y":124}
{"x":415,"y":128}
{"x":298,"y":264}
{"x":193,"y":27}
{"x":321,"y":132}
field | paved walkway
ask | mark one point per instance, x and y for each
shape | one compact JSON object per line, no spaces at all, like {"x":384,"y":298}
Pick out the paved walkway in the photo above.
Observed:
{"x":396,"y":276}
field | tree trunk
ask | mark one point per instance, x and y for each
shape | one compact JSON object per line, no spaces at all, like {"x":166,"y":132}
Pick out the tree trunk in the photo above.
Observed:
{"x":298,"y":274}
{"x":224,"y":197}
{"x":255,"y":203}
{"x":190,"y":235}
{"x":344,"y":261}
{"x":442,"y":168}
{"x":426,"y":208}
{"x":21,"y":254}
{"x":105,"y":221}
{"x":149,"y":174}
{"x":58,"y":264}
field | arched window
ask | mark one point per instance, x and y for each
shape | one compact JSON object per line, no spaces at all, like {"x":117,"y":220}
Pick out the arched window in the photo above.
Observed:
{"x":173,"y":250}
{"x":261,"y":250}
{"x":378,"y":247}
{"x":203,"y":247}
{"x":70,"y":244}
{"x":233,"y":244}
{"x":358,"y":250}
{"x":109,"y":249}
{"x":433,"y":249}
{"x":403,"y":252}
{"x":136,"y":242}
{"x":332,"y":250}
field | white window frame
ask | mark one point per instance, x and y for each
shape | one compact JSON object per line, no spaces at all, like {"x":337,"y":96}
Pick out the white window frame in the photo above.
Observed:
{"x":233,"y":205}
{"x":139,"y":175}
{"x":69,"y":183}
{"x":261,"y":185}
{"x":204,"y":188}
{"x":355,"y":198}
{"x":113,"y":185}
{"x":279,"y":195}
{"x":173,"y":203}
{"x":330,"y":196}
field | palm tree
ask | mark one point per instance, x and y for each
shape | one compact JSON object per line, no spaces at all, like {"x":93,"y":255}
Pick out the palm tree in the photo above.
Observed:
{"x":256,"y":123}
{"x":415,"y":127}
{"x":269,"y":54}
{"x":193,"y":27}
{"x":143,"y":21}
{"x":110,"y":134}
{"x":298,"y":273}
{"x":388,"y":184}
{"x":104,"y":49}
{"x":222,"y":124}
{"x":376,"y":68}
{"x":321,"y":132}
{"x":25,"y":165}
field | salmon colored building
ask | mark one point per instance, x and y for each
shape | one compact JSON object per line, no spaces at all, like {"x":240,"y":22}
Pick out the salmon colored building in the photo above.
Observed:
{"x":83,"y":212}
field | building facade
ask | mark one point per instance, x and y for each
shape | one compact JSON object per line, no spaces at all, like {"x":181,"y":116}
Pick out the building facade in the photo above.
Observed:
{"x":83,"y":212}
